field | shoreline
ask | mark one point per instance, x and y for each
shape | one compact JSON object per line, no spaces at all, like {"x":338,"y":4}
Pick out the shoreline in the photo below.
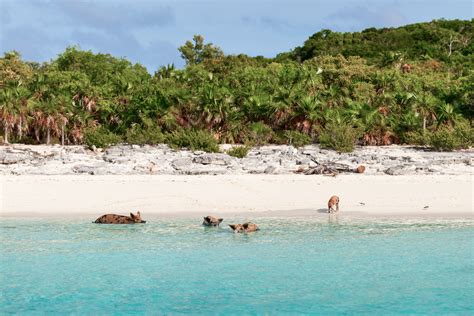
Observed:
{"x":248,"y":216}
{"x":253,"y":195}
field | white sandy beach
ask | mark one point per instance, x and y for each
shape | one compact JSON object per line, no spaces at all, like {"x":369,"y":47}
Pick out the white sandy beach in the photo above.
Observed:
{"x":172,"y":194}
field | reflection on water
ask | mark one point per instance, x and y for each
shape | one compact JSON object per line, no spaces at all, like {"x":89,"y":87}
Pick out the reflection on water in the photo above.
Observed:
{"x":333,"y":218}
{"x":294,"y":264}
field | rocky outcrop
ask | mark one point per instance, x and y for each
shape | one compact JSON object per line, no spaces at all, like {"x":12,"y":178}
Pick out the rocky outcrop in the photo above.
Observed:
{"x":156,"y":160}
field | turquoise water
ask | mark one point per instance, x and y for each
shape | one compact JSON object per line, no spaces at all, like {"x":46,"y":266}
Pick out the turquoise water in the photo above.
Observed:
{"x":293,"y":265}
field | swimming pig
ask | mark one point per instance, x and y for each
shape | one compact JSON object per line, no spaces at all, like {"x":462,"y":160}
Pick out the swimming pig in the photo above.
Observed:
{"x":120,"y":219}
{"x":212,"y":221}
{"x":244,"y":228}
{"x":333,"y":204}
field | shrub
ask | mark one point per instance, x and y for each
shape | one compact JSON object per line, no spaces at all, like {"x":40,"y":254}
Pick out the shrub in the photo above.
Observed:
{"x":192,"y":139}
{"x":238,"y":151}
{"x":447,"y":138}
{"x":415,"y":138}
{"x":260,"y":134}
{"x":100,"y":137}
{"x":340,"y":137}
{"x":296,"y":138}
{"x":141,"y":136}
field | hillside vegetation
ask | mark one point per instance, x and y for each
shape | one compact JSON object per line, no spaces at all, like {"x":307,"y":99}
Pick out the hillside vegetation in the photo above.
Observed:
{"x":413,"y":84}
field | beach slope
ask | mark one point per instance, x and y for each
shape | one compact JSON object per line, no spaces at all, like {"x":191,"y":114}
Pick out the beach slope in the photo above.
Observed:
{"x":172,"y":194}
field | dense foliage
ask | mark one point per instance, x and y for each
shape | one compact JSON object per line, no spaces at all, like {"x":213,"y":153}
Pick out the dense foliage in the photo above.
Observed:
{"x":413,"y":84}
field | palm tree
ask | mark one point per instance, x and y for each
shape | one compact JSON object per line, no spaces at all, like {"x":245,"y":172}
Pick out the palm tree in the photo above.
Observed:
{"x":374,"y":122}
{"x":109,"y":113}
{"x":383,"y":81}
{"x":333,"y":116}
{"x":51,"y":122}
{"x":62,"y":116}
{"x":281,"y":107}
{"x":86,"y":100}
{"x":165,"y":72}
{"x":334,"y":96}
{"x":391,"y":58}
{"x":37,"y":122}
{"x":8,"y":112}
{"x":308,"y":111}
{"x":257,"y":107}
{"x":426,"y":106}
{"x":212,"y":106}
{"x":80,"y":121}
{"x":447,"y":114}
{"x":25,"y":104}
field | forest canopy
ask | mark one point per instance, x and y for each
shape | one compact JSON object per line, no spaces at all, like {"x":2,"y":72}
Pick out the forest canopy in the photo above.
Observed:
{"x":407,"y":85}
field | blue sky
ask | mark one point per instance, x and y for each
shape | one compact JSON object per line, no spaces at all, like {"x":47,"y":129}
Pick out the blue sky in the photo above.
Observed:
{"x":150,"y":32}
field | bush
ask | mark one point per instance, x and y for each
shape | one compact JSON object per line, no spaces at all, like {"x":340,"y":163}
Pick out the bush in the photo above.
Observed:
{"x":192,"y":139}
{"x":100,"y":137}
{"x":415,"y":138}
{"x":296,"y":138}
{"x":260,"y":134}
{"x":238,"y":151}
{"x":340,"y":137}
{"x":140,"y":136}
{"x":448,"y":138}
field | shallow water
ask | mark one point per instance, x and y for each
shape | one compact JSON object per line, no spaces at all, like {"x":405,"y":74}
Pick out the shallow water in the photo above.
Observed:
{"x":293,"y":265}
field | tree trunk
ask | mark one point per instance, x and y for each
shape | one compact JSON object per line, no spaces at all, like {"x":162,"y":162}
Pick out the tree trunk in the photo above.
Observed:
{"x":62,"y":134}
{"x":20,"y":128}
{"x":424,"y":124}
{"x":5,"y":129}
{"x":48,"y":136}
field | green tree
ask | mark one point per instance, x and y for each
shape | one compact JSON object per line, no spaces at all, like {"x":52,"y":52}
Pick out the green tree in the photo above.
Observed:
{"x":195,"y":52}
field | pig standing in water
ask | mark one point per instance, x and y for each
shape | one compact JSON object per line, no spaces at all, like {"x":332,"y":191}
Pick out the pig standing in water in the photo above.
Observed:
{"x":244,"y":228}
{"x":120,"y":219}
{"x":212,"y":221}
{"x":333,"y":204}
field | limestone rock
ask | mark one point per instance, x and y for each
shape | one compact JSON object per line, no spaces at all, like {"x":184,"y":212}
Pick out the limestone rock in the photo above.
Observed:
{"x":400,"y":170}
{"x":180,"y":163}
{"x":161,"y":159}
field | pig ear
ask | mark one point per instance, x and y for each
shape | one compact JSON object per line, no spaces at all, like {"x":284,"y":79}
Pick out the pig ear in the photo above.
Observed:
{"x":232,"y":226}
{"x":220,"y":220}
{"x":138,"y":213}
{"x":206,"y":218}
{"x":245,"y":225}
{"x":131,"y":215}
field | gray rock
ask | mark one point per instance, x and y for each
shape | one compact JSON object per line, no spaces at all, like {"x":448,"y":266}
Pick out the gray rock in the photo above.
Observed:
{"x":270,"y":170}
{"x":304,"y":161}
{"x":214,"y":159}
{"x":204,"y":172}
{"x":161,"y":159}
{"x":14,"y":158}
{"x":400,"y":170}
{"x":204,"y":160}
{"x":181,"y":163}
{"x":84,"y":169}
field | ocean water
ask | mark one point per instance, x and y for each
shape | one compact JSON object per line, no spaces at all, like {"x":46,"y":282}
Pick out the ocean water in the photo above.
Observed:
{"x":294,"y":265}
